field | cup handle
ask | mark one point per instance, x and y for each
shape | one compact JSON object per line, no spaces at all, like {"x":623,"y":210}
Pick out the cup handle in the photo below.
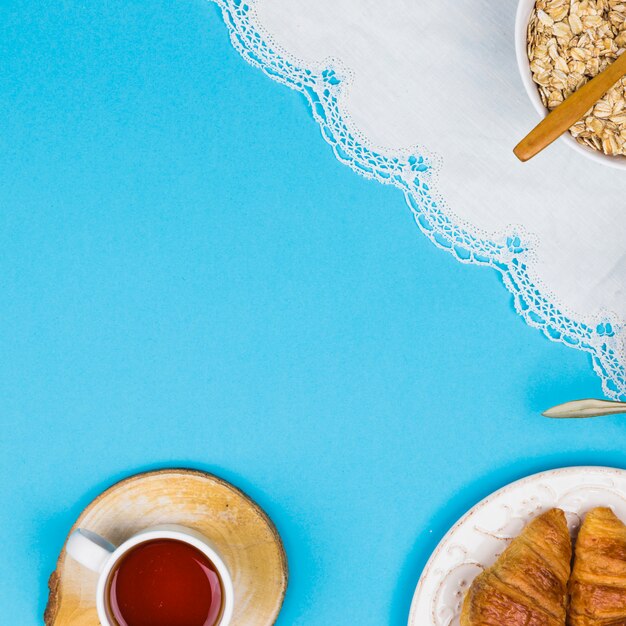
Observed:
{"x":89,"y":549}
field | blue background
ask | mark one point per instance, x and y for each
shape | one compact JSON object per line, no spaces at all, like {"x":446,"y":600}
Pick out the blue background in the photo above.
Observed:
{"x":189,"y":277}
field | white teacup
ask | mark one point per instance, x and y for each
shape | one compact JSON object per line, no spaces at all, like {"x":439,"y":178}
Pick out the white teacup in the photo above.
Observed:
{"x":100,"y":556}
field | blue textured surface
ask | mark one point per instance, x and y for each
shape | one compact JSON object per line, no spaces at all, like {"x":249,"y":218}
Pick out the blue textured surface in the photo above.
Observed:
{"x":189,"y":277}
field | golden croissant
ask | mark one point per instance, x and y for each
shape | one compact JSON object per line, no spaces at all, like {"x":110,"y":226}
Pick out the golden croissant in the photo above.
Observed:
{"x":527,"y":585}
{"x":598,"y":583}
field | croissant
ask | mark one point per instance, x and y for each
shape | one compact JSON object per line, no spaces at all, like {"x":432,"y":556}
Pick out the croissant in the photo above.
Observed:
{"x":598,"y":583}
{"x":527,"y":585}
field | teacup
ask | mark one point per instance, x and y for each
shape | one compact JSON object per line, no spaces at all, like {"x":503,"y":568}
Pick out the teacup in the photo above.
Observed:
{"x":158,"y":573}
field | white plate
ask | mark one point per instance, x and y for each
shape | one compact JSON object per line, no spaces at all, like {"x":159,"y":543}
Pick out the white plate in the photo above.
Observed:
{"x":480,"y":536}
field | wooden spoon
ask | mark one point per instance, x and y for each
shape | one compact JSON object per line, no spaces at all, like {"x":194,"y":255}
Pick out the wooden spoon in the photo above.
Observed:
{"x":570,"y":111}
{"x":586,"y":408}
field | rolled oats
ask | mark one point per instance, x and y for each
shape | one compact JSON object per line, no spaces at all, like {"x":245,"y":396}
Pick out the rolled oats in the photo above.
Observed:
{"x":570,"y":42}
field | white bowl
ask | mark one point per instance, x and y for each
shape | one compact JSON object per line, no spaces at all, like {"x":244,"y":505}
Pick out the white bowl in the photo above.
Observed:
{"x":524,"y":9}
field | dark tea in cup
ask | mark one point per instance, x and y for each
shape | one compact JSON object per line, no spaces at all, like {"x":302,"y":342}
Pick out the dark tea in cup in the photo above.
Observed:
{"x":164,"y":582}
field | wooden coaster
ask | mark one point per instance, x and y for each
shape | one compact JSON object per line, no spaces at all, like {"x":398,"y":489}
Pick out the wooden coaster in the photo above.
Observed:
{"x":241,"y":532}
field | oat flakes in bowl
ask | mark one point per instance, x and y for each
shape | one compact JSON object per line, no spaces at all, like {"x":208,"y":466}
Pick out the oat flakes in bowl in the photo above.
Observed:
{"x":569,"y":42}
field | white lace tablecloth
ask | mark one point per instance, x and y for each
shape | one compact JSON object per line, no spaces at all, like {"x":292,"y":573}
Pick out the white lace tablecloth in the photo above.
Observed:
{"x":426,"y":96}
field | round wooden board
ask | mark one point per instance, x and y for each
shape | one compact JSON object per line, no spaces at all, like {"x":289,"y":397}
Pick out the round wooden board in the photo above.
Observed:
{"x":242,"y":533}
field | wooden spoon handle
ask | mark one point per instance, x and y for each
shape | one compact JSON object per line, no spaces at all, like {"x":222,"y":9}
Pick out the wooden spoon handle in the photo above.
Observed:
{"x":586,"y":408}
{"x":570,"y":111}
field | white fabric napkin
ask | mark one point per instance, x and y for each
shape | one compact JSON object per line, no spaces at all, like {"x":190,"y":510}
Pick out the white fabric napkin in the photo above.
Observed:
{"x":427,"y":96}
